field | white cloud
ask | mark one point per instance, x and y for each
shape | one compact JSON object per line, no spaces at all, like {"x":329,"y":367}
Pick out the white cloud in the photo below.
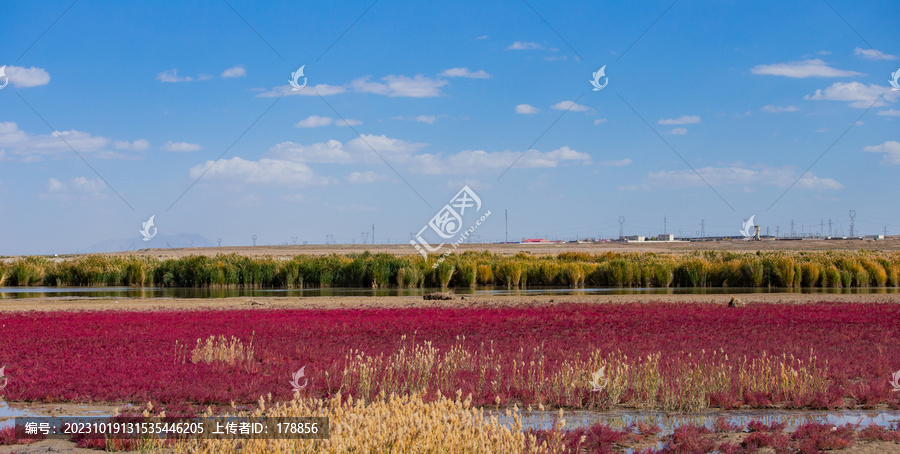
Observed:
{"x":523,"y":45}
{"x":616,"y":163}
{"x":365,"y":177}
{"x":738,"y":174}
{"x":393,"y":86}
{"x":600,"y":120}
{"x":802,"y":69}
{"x":180,"y":146}
{"x":234,"y":71}
{"x":859,"y":95}
{"x":872,"y":54}
{"x":137,"y":145}
{"x":891,"y":150}
{"x":397,"y":86}
{"x":464,"y":72}
{"x":677,"y":132}
{"x":327,"y":152}
{"x":26,"y":147}
{"x":313,"y":121}
{"x":482,"y":37}
{"x":309,"y":90}
{"x":475,"y":161}
{"x":54,"y":185}
{"x":682,"y":120}
{"x":265,"y":171}
{"x":430,"y":119}
{"x":388,"y":148}
{"x":79,"y":186}
{"x":526,"y":109}
{"x":171,"y":76}
{"x":354,"y":151}
{"x":776,"y":109}
{"x":347,"y":122}
{"x":889,"y":113}
{"x":570,"y":105}
{"x":27,"y":77}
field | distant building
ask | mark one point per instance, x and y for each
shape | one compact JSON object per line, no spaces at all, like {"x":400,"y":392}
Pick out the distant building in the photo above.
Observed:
{"x":634,"y":238}
{"x":666,"y":237}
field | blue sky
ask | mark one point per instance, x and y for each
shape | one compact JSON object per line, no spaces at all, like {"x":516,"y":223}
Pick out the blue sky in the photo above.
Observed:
{"x":150,"y":94}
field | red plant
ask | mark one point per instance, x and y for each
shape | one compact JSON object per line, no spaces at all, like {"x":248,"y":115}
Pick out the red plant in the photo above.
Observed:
{"x":131,"y":356}
{"x":877,"y":433}
{"x":813,"y":437}
{"x":689,"y":439}
{"x":722,"y":425}
{"x":8,"y":437}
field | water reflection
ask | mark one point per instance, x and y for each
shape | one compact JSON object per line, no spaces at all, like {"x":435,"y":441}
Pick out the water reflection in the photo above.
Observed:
{"x":160,"y":292}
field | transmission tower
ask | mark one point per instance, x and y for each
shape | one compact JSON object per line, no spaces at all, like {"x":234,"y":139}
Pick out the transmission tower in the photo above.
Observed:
{"x":621,"y":227}
{"x":220,"y":241}
{"x":852,"y":218}
{"x":254,"y":240}
{"x":703,"y":228}
{"x":365,"y":236}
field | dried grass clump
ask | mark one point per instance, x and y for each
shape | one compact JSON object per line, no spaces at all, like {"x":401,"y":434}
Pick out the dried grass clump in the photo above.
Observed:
{"x":222,"y":350}
{"x":386,"y":424}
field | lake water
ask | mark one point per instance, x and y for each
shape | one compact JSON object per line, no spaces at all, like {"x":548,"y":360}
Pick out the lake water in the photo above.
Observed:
{"x":667,"y":422}
{"x":160,"y":292}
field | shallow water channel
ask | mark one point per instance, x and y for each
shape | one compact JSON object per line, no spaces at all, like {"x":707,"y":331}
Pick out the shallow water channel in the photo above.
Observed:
{"x":668,"y":422}
{"x":161,"y":292}
{"x":573,"y":419}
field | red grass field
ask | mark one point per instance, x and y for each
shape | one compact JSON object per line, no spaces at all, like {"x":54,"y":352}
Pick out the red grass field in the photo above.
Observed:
{"x":513,"y":354}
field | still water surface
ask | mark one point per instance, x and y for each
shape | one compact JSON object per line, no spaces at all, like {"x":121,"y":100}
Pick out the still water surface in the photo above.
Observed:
{"x":160,"y":292}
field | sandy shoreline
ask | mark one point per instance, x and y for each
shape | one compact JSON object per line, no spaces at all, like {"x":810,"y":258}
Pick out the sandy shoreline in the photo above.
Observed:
{"x":354,"y":302}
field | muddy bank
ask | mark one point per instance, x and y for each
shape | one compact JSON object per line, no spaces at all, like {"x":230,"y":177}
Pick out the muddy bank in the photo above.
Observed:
{"x":350,"y":302}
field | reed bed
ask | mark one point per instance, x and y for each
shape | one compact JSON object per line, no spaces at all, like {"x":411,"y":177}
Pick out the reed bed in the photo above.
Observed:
{"x":468,"y":269}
